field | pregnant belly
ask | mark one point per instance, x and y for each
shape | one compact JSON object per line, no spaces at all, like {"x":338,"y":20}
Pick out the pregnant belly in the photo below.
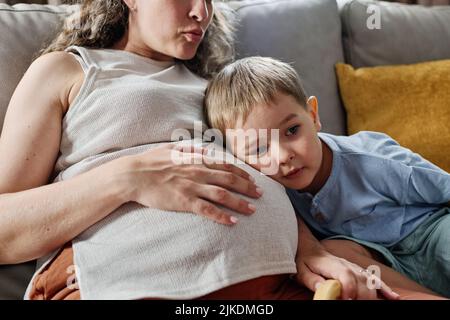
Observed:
{"x":175,"y":253}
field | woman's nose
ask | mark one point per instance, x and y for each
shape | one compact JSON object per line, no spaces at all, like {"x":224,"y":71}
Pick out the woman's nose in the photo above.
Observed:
{"x":199,"y":11}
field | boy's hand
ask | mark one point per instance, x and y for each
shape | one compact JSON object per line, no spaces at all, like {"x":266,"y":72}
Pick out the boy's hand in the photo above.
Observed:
{"x":314,"y":267}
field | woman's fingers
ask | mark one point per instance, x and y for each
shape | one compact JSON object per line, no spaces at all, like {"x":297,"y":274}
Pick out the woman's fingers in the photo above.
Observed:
{"x":229,"y":177}
{"x":224,"y":175}
{"x":205,"y":183}
{"x":232,"y":181}
{"x":210,"y":211}
{"x":225,"y":198}
{"x":189,"y":149}
{"x":199,"y":156}
{"x":227,"y":167}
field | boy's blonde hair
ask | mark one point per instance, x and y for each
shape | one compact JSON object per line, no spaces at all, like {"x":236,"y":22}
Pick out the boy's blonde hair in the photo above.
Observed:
{"x":235,"y":90}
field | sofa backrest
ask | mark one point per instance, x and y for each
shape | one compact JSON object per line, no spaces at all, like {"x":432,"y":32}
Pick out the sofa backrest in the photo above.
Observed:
{"x":407,"y":34}
{"x":24,"y":30}
{"x":306,"y":33}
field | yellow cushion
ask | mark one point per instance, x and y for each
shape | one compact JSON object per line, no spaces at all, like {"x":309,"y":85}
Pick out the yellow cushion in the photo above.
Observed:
{"x":411,"y":103}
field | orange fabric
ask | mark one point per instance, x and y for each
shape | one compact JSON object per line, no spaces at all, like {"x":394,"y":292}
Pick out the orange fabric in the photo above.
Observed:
{"x":275,"y":287}
{"x":51,"y":284}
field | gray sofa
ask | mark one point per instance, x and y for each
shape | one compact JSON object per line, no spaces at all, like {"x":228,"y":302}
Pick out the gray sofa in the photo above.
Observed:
{"x":311,"y":34}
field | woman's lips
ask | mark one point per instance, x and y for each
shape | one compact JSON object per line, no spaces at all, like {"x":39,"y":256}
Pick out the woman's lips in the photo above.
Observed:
{"x":193,"y":37}
{"x":294,"y":173}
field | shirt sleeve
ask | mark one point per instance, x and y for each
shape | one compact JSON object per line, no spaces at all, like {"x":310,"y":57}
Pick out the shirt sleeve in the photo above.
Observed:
{"x":428,"y":186}
{"x":425,"y":182}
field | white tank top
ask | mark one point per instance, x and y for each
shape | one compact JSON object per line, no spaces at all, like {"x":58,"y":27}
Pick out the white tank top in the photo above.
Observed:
{"x":127,"y":105}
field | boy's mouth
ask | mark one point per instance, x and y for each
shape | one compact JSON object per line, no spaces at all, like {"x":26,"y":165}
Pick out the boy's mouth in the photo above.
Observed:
{"x":294,"y":173}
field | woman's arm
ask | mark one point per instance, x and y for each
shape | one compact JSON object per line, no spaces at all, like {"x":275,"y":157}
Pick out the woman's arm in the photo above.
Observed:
{"x":34,"y":222}
{"x":36,"y":218}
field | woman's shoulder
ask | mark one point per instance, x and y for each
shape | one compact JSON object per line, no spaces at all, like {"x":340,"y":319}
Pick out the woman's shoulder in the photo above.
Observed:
{"x":56,"y":62}
{"x":62,"y":70}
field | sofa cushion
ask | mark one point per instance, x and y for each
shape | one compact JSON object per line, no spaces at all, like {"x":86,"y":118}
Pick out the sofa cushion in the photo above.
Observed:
{"x":306,"y":33}
{"x":24,"y":30}
{"x":408,"y":102}
{"x":14,"y":280}
{"x":407,"y":34}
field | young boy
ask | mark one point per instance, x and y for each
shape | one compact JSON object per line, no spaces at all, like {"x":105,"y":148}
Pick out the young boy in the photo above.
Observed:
{"x":364,"y":187}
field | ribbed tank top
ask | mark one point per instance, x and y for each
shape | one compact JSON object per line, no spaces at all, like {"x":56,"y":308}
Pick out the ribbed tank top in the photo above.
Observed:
{"x":127,"y":105}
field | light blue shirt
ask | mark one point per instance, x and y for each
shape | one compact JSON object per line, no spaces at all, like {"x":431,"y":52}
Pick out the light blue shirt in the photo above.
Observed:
{"x":377,"y":191}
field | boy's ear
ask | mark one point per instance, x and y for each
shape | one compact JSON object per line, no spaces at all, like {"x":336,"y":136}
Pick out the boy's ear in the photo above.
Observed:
{"x":313,"y":109}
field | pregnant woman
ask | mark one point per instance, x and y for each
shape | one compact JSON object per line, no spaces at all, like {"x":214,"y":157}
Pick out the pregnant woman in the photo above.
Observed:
{"x":94,"y":115}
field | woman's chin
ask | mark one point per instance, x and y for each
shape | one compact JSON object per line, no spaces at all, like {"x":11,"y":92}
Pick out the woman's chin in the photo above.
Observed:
{"x":186,"y":52}
{"x":186,"y":55}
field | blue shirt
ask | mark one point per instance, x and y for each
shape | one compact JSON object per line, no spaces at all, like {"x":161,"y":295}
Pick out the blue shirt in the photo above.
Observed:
{"x":377,"y":191}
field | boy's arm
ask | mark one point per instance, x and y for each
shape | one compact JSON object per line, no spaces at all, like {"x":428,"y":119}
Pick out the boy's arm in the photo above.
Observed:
{"x":403,"y":175}
{"x":429,"y":186}
{"x":305,"y":237}
{"x":425,"y":182}
{"x":307,"y":244}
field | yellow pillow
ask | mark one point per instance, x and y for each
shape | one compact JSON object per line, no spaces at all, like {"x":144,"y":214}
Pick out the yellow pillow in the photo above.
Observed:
{"x":411,"y":103}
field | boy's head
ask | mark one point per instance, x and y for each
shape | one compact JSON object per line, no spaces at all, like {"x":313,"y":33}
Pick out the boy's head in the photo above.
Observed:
{"x":263,"y":93}
{"x":240,"y":86}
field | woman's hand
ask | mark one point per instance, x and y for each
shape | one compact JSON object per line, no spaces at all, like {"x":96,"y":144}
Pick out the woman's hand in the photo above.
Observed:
{"x":158,"y":182}
{"x":315,"y":265}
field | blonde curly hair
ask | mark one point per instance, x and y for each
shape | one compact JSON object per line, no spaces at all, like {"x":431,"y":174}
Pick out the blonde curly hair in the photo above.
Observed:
{"x":101,"y":23}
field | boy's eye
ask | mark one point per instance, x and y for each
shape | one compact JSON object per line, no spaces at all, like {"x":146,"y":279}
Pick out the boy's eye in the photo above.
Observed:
{"x":260,"y":151}
{"x":292,"y":130}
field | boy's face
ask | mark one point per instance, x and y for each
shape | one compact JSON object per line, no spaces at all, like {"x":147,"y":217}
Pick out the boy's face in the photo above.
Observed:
{"x":297,"y":153}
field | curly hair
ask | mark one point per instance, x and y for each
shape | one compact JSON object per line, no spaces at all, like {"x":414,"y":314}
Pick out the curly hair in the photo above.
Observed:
{"x":101,"y":23}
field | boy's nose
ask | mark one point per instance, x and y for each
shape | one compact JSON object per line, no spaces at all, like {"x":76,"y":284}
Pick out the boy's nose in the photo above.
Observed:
{"x":199,"y":11}
{"x":285,"y":156}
